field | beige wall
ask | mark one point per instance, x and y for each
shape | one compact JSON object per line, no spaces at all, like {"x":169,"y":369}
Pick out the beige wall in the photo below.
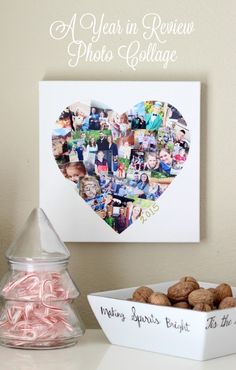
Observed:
{"x":28,"y":55}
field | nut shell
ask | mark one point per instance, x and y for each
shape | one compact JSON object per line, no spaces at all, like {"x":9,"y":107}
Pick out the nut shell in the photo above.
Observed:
{"x":227,"y":302}
{"x":201,"y":296}
{"x":213,"y":291}
{"x":204,"y":307}
{"x":139,"y":299}
{"x":183,"y":304}
{"x":180,"y":291}
{"x":190,"y":279}
{"x":159,"y":299}
{"x":142,"y":293}
{"x":222,"y":291}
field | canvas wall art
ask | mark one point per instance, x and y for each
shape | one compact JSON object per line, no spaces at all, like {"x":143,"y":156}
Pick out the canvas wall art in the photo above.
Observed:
{"x":119,"y":161}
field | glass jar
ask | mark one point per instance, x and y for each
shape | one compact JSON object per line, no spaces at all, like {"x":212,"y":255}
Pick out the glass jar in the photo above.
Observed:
{"x":37,"y":293}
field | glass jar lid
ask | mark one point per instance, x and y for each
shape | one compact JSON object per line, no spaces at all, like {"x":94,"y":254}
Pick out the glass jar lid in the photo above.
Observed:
{"x":38,"y":242}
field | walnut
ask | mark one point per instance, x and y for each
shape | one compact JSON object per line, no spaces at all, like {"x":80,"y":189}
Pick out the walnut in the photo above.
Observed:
{"x":202,"y":307}
{"x":227,"y":302}
{"x":222,"y":291}
{"x":201,"y":296}
{"x":191,"y":280}
{"x":160,"y":299}
{"x":188,"y":295}
{"x":215,"y":302}
{"x":142,"y":292}
{"x":180,"y":291}
{"x":139,"y":299}
{"x":183,"y":304}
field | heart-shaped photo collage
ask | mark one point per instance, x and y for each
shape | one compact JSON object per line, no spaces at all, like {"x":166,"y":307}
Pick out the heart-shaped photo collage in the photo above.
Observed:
{"x":120,"y":164}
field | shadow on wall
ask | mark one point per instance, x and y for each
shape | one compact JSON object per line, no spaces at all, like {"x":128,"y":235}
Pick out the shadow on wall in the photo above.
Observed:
{"x":203,"y":163}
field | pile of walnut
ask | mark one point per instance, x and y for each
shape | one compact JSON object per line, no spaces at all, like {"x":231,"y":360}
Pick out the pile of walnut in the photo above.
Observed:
{"x":188,"y":294}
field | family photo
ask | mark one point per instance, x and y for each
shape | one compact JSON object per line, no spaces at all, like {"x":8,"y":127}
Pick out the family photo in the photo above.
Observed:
{"x":117,"y":161}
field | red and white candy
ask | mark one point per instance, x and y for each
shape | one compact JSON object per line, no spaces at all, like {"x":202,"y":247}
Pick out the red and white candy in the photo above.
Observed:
{"x":37,"y":310}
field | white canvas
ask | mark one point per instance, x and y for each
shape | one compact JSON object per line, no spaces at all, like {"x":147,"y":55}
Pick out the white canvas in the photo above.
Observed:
{"x":176,"y":216}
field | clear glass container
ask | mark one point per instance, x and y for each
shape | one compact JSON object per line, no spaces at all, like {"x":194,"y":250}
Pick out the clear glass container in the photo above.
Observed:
{"x":37,"y":293}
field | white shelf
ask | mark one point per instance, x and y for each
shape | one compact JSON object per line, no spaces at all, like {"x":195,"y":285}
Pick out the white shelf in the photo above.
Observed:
{"x":94,"y":352}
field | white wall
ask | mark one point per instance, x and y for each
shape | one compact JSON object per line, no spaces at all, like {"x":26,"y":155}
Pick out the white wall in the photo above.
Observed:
{"x":28,"y":55}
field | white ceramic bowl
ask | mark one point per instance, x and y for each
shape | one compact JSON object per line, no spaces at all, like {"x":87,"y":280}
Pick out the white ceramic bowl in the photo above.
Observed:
{"x":168,"y":330}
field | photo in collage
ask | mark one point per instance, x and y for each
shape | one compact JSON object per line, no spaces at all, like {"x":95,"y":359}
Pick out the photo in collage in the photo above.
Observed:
{"x":120,"y":164}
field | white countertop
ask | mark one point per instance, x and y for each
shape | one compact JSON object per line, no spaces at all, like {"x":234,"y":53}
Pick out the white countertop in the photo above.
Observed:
{"x":94,"y":352}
